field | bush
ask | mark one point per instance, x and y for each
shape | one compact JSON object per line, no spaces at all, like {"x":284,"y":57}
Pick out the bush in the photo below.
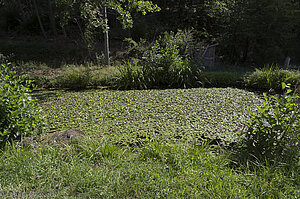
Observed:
{"x":131,"y":76}
{"x":270,"y":77}
{"x":167,"y":64}
{"x":19,"y":114}
{"x":5,"y":59}
{"x":73,"y":78}
{"x":274,"y":129}
{"x":165,"y":67}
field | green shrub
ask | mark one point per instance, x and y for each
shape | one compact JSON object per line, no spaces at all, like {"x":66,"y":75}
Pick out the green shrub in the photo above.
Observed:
{"x":270,"y":77}
{"x":73,"y":78}
{"x":166,"y":67}
{"x":274,"y":129}
{"x":167,"y":64}
{"x":39,"y":81}
{"x":135,"y":49}
{"x":131,"y":76}
{"x":19,"y":114}
{"x":5,"y":59}
{"x":103,"y":76}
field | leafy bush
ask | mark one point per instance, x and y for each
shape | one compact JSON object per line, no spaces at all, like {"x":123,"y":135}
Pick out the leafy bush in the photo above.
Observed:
{"x":19,"y":114}
{"x":274,"y":129}
{"x":5,"y":58}
{"x":270,"y":77}
{"x":131,"y":76}
{"x":102,"y":76}
{"x":73,"y":77}
{"x":167,"y":64}
{"x":135,"y":49}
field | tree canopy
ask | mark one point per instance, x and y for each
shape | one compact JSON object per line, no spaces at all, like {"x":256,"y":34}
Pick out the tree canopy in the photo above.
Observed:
{"x":249,"y":31}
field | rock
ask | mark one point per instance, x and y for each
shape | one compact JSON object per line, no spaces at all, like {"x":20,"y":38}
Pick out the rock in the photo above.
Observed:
{"x":29,"y":142}
{"x":65,"y":136}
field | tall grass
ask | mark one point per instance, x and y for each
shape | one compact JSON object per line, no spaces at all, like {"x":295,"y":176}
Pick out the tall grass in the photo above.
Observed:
{"x":154,"y":170}
{"x":271,"y":77}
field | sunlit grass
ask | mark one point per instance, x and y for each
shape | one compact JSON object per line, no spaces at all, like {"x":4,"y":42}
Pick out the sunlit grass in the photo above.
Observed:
{"x":143,"y":144}
{"x":96,"y":168}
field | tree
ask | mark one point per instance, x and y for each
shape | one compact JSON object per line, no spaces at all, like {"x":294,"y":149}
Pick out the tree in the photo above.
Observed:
{"x":52,"y":18}
{"x":260,"y":31}
{"x":39,"y":19}
{"x":95,"y":12}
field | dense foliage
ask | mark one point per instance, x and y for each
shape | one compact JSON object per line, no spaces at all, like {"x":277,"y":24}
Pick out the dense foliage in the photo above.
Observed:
{"x":167,"y":63}
{"x":270,"y":78}
{"x":273,"y":133}
{"x":19,"y":113}
{"x":249,"y":31}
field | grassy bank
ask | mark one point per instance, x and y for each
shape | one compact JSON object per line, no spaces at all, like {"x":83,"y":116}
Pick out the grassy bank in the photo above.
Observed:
{"x":144,"y":144}
{"x":96,"y":168}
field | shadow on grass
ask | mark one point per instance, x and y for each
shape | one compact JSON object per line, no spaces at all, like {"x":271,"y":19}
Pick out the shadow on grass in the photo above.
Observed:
{"x":44,"y":95}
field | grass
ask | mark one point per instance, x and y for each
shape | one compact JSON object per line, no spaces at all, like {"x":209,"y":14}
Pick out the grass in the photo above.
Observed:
{"x":157,"y":169}
{"x":220,"y":79}
{"x":144,"y":144}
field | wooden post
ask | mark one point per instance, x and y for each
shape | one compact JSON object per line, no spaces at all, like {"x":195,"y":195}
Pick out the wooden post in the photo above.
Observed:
{"x":287,"y":62}
{"x":106,"y":39}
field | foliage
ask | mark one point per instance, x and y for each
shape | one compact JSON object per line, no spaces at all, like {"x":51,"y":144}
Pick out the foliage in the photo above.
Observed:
{"x":274,"y":128}
{"x":131,"y":76}
{"x":135,"y":49}
{"x":131,"y":116}
{"x":81,"y":77}
{"x":246,"y":39}
{"x":92,"y":10}
{"x":5,"y":59}
{"x":166,"y":64}
{"x":93,"y":13}
{"x":51,"y":54}
{"x":74,"y":78}
{"x":270,"y":77}
{"x":102,"y":76}
{"x":19,"y":114}
{"x":237,"y":26}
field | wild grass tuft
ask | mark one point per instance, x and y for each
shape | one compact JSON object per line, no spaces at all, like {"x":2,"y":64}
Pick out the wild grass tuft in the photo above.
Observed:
{"x":271,"y":77}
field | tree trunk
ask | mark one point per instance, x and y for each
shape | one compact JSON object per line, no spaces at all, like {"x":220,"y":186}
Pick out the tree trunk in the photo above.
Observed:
{"x":106,"y":40}
{"x":39,"y":18}
{"x":52,"y":19}
{"x":245,"y":52}
{"x":22,"y":14}
{"x":64,"y":31}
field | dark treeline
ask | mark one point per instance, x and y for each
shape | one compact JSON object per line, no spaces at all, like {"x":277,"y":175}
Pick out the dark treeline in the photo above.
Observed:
{"x":248,"y":31}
